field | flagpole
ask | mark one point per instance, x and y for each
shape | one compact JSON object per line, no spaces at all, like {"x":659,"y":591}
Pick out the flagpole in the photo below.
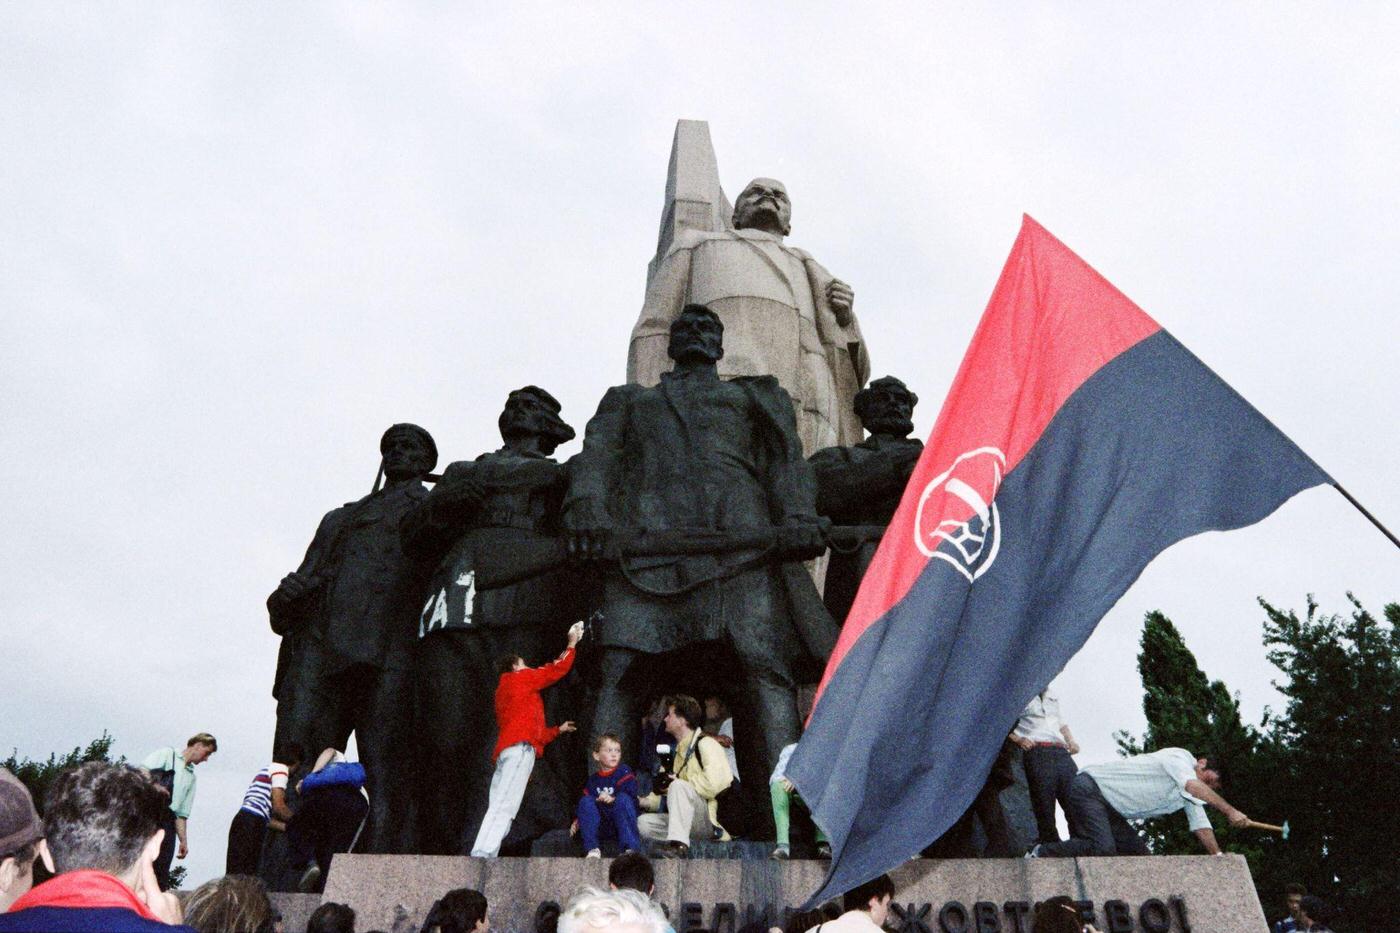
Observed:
{"x":1367,"y":512}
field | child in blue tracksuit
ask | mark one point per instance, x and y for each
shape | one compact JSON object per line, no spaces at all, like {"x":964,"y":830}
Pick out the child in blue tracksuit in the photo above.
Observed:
{"x":609,"y":802}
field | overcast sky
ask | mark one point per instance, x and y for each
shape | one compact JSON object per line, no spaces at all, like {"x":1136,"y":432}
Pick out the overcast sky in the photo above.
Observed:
{"x":237,"y":241}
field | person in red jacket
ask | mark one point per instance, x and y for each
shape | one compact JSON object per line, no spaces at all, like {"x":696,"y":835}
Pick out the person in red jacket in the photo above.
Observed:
{"x":522,"y":737}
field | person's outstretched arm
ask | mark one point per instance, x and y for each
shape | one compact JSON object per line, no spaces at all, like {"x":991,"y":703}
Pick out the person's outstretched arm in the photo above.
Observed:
{"x":1201,"y":790}
{"x":540,"y":677}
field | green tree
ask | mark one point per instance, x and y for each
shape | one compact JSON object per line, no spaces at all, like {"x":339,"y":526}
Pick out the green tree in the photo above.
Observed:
{"x":1338,"y":747}
{"x":39,"y":775}
{"x":1329,"y":763}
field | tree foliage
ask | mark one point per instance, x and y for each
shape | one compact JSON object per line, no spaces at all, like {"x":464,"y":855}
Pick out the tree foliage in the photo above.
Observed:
{"x":39,"y":776}
{"x":1329,"y":763}
{"x":1338,"y":748}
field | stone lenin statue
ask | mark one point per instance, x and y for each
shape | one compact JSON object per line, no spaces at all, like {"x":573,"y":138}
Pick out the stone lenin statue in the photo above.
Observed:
{"x":717,"y":463}
{"x":784,"y":315}
{"x":346,"y":617}
{"x":863,"y":483}
{"x":476,"y":520}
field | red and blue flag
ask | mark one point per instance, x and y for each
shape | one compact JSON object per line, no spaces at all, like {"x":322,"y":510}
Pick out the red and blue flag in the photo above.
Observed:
{"x":1078,"y":441}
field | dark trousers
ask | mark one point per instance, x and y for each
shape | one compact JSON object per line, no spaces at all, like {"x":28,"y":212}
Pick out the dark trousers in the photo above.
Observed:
{"x":326,"y":824}
{"x":1049,"y":773}
{"x":1095,"y":827}
{"x":167,"y":849}
{"x":958,"y":841}
{"x":245,"y":842}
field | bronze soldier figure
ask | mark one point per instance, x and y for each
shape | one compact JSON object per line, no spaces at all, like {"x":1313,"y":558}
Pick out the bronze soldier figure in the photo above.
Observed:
{"x":346,"y":617}
{"x":861,"y":485}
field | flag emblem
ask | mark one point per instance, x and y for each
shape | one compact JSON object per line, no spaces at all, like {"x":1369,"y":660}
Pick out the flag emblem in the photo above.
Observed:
{"x":957,"y":518}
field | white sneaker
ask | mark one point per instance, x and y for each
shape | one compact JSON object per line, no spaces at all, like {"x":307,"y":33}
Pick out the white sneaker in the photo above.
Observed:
{"x":594,"y":853}
{"x":309,"y":878}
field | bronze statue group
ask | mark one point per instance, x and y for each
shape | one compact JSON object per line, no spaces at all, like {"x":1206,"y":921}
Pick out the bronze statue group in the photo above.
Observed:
{"x":713,"y":531}
{"x":689,"y":531}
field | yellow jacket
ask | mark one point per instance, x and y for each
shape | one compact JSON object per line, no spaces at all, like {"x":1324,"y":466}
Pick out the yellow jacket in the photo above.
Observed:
{"x":707,"y":770}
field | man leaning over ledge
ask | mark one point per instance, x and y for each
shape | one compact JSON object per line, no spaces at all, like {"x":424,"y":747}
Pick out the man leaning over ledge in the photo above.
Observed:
{"x":103,"y":828}
{"x":1104,"y":797}
{"x":174,"y":772}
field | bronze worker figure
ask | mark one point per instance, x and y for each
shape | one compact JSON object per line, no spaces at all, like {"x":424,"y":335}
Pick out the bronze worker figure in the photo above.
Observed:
{"x":720,"y":461}
{"x":862,"y":484}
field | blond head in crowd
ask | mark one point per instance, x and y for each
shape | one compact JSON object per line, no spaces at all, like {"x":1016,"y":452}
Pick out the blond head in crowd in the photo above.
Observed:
{"x":621,"y":911}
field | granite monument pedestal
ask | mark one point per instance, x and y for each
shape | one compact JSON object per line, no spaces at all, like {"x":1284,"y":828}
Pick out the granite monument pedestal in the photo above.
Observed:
{"x":1156,"y":894}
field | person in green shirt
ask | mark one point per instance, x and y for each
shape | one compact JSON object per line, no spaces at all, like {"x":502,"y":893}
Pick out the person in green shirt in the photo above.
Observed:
{"x":174,"y":772}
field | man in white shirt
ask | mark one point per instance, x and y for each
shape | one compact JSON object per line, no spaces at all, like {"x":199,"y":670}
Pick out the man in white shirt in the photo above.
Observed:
{"x":1104,"y":797}
{"x":866,"y":908}
{"x":1047,"y":747}
{"x":719,"y":725}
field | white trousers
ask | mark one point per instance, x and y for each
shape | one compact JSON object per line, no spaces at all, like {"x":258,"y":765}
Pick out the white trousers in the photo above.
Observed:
{"x":512,"y":773}
{"x":687,"y":816}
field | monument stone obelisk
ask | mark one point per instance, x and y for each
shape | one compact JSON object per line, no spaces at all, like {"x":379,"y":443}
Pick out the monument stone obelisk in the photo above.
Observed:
{"x":784,"y":314}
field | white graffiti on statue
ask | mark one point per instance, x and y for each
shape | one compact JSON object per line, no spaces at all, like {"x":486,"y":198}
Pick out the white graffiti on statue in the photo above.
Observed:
{"x":450,"y":606}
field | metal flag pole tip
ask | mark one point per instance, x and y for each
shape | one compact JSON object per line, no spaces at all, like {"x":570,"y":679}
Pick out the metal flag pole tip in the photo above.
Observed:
{"x":1366,"y":512}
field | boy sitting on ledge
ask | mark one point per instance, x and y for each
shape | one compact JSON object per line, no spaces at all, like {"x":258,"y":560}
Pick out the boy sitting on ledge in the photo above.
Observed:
{"x":609,"y":802}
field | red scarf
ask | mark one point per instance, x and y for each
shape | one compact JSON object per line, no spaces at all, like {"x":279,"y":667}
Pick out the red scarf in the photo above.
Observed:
{"x":85,"y":888}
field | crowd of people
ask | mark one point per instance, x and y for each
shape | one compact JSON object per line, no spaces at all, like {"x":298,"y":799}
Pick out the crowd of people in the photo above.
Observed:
{"x":102,"y":836}
{"x":104,"y":831}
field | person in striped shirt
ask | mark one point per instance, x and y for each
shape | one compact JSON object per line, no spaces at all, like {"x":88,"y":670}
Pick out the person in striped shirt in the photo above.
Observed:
{"x":264,"y":804}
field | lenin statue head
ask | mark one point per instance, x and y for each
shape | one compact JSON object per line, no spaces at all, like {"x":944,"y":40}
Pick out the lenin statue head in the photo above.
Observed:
{"x":763,"y":205}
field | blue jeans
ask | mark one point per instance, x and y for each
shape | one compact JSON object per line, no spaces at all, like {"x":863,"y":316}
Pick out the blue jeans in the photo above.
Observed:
{"x":616,"y":820}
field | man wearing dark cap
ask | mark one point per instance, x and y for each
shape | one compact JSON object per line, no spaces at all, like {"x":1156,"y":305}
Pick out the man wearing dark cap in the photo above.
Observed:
{"x":21,"y":840}
{"x":478,"y":520}
{"x":346,"y":617}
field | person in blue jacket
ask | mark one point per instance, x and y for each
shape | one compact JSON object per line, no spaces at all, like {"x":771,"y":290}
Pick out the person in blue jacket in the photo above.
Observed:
{"x":608,"y":808}
{"x":330,"y":818}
